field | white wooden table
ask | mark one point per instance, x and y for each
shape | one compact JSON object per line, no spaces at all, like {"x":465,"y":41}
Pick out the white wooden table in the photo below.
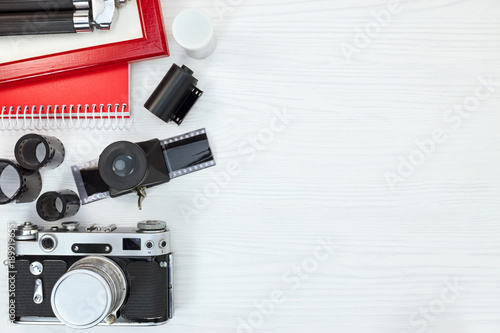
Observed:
{"x":358,"y":173}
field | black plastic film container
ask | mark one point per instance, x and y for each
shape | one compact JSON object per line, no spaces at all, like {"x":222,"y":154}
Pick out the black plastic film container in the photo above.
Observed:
{"x":175,"y":95}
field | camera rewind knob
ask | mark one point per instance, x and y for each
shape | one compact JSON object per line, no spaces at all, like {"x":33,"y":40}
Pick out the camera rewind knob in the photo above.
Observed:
{"x":151,"y":226}
{"x":26,"y":231}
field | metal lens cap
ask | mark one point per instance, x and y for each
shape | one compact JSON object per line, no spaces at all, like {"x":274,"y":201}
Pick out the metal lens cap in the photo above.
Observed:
{"x":151,"y":225}
{"x":81,"y":299}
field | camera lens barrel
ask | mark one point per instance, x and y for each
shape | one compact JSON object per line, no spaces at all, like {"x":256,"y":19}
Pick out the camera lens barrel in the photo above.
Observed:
{"x":27,"y":187}
{"x":104,"y":292}
{"x":53,"y":206}
{"x":123,"y":165}
{"x":35,"y":151}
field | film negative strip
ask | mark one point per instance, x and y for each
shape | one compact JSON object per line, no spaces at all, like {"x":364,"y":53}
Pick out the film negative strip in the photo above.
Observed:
{"x":187,"y":153}
{"x":86,"y":177}
{"x":162,"y":159}
{"x":27,"y":151}
{"x":53,"y":206}
{"x":27,"y":187}
{"x":21,"y":181}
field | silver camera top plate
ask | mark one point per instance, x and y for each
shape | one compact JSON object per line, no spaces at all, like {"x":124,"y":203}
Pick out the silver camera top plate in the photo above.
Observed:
{"x":72,"y":240}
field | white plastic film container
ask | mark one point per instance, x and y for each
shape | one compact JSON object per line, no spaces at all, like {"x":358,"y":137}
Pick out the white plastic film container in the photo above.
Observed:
{"x":194,"y":31}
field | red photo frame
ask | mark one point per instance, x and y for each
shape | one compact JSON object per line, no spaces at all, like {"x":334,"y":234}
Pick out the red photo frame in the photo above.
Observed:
{"x":153,"y":44}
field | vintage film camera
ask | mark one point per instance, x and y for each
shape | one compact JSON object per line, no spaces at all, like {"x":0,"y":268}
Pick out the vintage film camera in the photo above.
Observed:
{"x":84,"y":277}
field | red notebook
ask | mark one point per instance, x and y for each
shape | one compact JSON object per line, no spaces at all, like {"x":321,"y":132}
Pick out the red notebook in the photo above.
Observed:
{"x":74,"y":100}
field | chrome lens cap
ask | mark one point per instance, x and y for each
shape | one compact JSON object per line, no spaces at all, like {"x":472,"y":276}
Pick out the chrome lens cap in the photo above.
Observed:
{"x":92,"y":290}
{"x":81,"y":299}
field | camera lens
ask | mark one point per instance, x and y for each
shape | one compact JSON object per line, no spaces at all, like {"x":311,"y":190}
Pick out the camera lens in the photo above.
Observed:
{"x":48,"y":243}
{"x":93,"y":288}
{"x":123,"y":165}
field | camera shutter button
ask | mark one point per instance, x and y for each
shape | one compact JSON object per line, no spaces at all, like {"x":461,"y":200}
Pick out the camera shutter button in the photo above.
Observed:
{"x":70,"y":226}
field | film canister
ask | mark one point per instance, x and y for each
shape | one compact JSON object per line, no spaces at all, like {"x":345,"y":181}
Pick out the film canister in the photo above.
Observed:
{"x":193,"y":30}
{"x":175,"y":95}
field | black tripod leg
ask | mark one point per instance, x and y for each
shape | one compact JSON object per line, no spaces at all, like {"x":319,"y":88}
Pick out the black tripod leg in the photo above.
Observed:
{"x":36,"y":23}
{"x":45,"y":6}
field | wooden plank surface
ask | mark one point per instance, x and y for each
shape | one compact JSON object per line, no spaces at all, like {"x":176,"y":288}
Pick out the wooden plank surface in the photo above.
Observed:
{"x":357,"y":176}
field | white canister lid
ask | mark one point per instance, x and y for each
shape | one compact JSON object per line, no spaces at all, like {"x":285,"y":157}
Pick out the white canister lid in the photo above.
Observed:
{"x":194,"y":31}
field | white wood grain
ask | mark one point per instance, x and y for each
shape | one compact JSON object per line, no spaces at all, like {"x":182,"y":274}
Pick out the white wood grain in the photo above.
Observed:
{"x":323,"y":174}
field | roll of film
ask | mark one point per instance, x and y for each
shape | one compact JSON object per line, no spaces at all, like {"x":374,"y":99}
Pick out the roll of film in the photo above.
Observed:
{"x":18,"y":184}
{"x":54,"y":206}
{"x":175,"y":95}
{"x":35,"y":151}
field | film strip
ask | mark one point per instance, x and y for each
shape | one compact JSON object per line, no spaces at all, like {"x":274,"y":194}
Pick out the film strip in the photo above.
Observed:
{"x":47,"y":209}
{"x":182,"y":155}
{"x":28,"y":184}
{"x":26,"y":152}
{"x":200,"y":158}
{"x":30,"y":159}
{"x":87,"y":191}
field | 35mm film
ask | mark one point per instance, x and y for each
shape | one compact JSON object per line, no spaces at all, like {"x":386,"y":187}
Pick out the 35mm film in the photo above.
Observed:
{"x":182,"y":155}
{"x":182,"y":167}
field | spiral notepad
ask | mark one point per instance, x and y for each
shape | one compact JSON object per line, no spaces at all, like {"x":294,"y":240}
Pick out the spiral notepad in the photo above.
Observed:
{"x":84,"y":99}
